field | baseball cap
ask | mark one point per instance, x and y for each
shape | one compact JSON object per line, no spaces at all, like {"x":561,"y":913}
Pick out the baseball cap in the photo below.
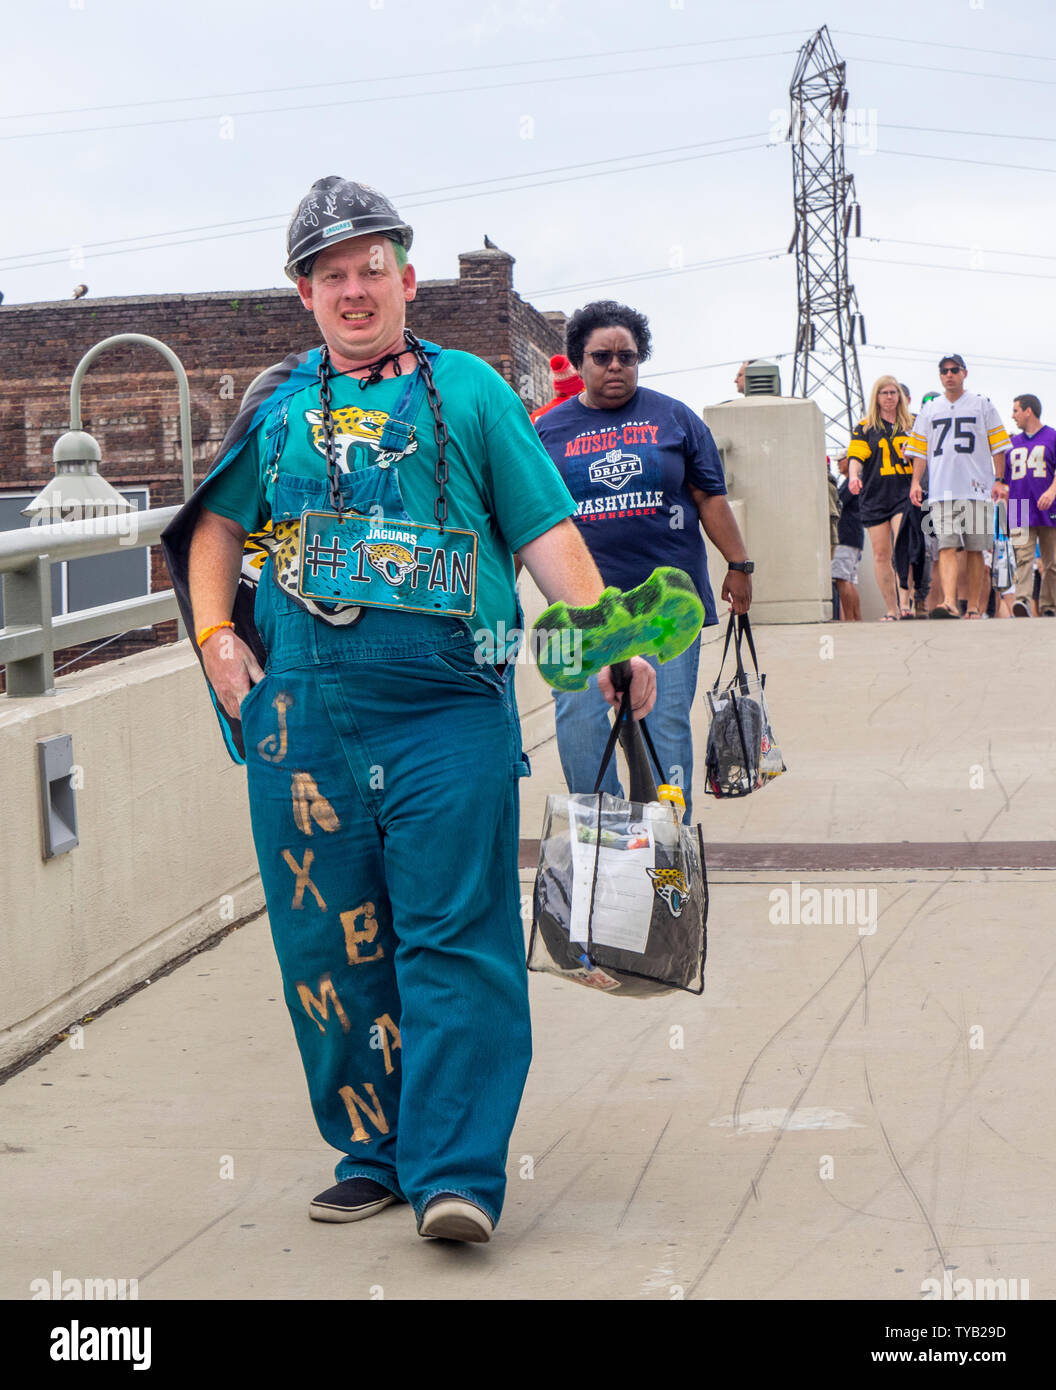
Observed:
{"x":955,"y":358}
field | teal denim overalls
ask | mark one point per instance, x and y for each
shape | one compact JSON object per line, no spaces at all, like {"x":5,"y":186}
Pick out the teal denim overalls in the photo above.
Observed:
{"x":382,"y":761}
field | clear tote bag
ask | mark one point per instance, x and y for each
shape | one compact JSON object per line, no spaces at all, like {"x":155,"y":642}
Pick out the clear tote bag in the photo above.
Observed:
{"x":742,"y":753}
{"x":621,"y":896}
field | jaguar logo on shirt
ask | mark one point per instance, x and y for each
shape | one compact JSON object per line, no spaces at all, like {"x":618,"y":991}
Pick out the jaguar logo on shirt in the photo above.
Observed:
{"x":354,"y":426}
{"x":615,"y":469}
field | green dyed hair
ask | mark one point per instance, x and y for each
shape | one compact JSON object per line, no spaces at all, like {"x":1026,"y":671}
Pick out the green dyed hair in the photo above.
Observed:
{"x":398,"y":249}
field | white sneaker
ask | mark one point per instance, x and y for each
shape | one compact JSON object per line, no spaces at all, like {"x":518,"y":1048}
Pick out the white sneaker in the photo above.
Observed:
{"x":453,"y":1218}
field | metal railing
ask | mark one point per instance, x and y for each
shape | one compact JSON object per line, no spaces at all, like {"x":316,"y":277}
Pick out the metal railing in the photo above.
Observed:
{"x":31,"y":634}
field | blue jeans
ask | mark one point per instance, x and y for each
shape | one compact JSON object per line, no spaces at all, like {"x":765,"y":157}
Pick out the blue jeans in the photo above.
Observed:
{"x":583,"y":724}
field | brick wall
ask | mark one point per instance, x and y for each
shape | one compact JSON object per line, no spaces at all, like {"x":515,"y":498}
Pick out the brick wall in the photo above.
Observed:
{"x":129,"y":398}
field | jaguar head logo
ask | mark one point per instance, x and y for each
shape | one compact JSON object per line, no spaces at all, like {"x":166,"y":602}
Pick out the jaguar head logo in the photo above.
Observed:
{"x":671,"y":885}
{"x":393,"y":562}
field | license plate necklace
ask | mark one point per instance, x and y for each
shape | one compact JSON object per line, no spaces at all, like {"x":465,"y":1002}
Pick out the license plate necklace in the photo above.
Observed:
{"x":388,"y":562}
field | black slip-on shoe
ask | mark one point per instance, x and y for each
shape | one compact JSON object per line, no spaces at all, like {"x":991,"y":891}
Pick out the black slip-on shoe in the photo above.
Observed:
{"x":448,"y":1217}
{"x":352,"y":1200}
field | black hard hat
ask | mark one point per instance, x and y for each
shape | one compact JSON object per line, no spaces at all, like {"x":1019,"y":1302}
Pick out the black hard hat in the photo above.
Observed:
{"x":335,"y":209}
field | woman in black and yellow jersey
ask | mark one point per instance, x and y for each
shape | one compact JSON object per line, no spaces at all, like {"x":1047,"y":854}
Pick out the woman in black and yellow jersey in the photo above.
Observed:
{"x":881,"y":479}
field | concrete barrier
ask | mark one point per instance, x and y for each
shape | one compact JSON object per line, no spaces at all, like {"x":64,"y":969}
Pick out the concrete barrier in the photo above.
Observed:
{"x":775,"y":461}
{"x":165,"y":856}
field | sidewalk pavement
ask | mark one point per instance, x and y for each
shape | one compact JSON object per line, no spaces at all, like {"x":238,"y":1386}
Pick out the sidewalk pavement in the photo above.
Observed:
{"x":851,"y":1108}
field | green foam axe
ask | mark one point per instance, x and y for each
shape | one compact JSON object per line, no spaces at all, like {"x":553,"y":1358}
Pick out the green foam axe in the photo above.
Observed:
{"x":659,"y":618}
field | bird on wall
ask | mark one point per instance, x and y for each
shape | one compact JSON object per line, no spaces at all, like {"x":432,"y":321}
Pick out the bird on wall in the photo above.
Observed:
{"x":489,"y":245}
{"x":80,"y":291}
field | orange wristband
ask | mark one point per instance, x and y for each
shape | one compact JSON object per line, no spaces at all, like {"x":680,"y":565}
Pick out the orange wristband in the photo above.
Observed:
{"x":207,"y":632}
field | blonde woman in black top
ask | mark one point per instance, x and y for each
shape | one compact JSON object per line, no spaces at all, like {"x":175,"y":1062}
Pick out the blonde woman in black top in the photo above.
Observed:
{"x":881,"y":479}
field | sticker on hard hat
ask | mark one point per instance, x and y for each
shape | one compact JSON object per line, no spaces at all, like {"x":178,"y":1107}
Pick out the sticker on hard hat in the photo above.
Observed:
{"x":381,"y":563}
{"x":337,"y":227}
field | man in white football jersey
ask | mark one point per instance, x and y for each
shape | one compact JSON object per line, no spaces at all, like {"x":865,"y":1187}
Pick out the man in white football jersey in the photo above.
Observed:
{"x":959,"y":437}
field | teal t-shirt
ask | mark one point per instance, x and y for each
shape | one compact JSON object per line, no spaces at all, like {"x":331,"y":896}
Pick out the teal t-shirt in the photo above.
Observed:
{"x":501,"y":482}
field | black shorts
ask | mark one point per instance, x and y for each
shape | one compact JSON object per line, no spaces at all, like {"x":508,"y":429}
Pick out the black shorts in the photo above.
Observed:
{"x":878,"y":518}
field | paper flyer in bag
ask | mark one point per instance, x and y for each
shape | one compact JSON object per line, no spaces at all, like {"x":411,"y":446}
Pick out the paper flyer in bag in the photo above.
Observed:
{"x":623,"y":897}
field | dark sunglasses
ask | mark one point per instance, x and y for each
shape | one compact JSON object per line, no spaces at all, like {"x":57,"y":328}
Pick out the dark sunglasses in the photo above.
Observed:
{"x":948,"y":371}
{"x":602,"y":359}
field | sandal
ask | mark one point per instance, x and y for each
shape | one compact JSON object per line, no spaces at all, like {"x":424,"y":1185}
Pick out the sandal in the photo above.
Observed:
{"x":941,"y":611}
{"x":906,"y":613}
{"x":973,"y":613}
{"x":889,"y":618}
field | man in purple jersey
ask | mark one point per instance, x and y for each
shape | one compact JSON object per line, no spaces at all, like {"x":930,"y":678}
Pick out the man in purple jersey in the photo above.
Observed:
{"x":1031,"y":478}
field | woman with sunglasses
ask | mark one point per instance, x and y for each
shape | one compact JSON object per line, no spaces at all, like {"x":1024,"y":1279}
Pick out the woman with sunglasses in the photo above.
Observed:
{"x":643,"y":470}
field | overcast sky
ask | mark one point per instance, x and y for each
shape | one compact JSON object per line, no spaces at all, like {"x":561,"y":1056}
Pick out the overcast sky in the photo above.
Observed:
{"x":609,"y":145}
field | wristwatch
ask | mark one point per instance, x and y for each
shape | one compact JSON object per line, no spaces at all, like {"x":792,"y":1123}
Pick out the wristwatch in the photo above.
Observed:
{"x":745,"y":566}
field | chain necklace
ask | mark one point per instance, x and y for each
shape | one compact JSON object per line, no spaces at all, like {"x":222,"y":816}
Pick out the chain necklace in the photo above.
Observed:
{"x":440,"y":434}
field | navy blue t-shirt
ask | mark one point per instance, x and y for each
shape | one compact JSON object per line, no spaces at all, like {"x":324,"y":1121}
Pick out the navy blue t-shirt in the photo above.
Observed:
{"x":629,"y":472}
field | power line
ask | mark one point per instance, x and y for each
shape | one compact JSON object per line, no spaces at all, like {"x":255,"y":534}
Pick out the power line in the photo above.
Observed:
{"x":960,"y":269}
{"x":740,"y":259}
{"x":125,"y":242}
{"x":703,"y":367}
{"x":398,"y":77}
{"x":959,"y":246}
{"x":399,"y":197}
{"x":914,"y":354}
{"x":979,"y":134}
{"x":993,"y":357}
{"x":410,"y":205}
{"x":978,"y":362}
{"x":977,"y":163}
{"x":901,"y":40}
{"x":578,"y":178}
{"x":393,"y":96}
{"x":274,"y":219}
{"x":959,"y":72}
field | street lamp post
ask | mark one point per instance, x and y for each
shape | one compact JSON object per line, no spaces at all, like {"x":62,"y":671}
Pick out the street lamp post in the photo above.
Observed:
{"x":181,"y":376}
{"x":77,"y":490}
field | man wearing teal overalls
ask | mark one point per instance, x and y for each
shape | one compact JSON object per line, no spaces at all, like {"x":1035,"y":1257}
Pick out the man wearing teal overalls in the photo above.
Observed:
{"x":387,"y":484}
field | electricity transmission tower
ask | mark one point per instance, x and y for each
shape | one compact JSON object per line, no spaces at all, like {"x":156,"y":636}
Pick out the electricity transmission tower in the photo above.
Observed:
{"x":826,"y":366}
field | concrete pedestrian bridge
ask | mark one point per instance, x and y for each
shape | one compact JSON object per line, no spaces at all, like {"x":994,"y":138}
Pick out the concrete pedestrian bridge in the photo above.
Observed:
{"x":853,"y":1109}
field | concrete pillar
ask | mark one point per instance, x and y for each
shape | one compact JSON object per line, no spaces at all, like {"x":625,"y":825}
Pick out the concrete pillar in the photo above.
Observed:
{"x":774,"y":449}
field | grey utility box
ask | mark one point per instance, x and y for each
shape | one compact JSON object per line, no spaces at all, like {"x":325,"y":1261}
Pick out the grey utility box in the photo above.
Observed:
{"x":58,"y":805}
